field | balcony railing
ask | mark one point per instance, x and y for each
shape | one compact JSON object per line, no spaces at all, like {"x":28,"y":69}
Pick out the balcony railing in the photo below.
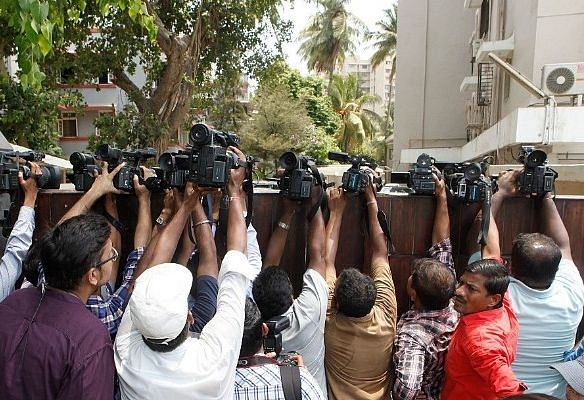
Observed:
{"x":478,"y":118}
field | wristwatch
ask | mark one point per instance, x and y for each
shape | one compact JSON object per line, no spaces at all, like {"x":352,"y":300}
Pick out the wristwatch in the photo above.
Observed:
{"x":160,"y":221}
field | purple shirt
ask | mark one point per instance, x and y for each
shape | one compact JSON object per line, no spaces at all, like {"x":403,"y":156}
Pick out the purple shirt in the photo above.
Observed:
{"x":53,"y":348}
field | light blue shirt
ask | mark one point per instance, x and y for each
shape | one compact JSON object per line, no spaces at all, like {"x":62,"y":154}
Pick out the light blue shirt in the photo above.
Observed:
{"x":17,"y":247}
{"x":548,"y":321}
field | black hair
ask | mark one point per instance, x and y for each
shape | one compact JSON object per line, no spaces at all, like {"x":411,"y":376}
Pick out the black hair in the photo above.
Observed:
{"x":355,"y":293}
{"x":272,"y":292}
{"x":158,"y":346}
{"x":71,"y":248}
{"x":535,"y":258}
{"x":497,"y":276}
{"x":251,"y":341}
{"x":433,"y":282}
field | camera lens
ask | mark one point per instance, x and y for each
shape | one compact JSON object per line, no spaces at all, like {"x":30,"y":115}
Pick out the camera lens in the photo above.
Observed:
{"x":472,"y":172}
{"x":536,"y":158}
{"x":166,"y":161}
{"x":424,"y":160}
{"x":81,"y":159}
{"x":289,"y":160}
{"x":199,"y":134}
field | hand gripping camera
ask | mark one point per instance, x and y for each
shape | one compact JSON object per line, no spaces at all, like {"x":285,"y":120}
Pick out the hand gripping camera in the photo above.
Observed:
{"x":537,"y":178}
{"x":124,"y":179}
{"x":211,"y":162}
{"x":84,"y":166}
{"x":356,"y":178}
{"x":49,"y":178}
{"x":272,"y":342}
{"x":298,"y":177}
{"x":467,"y":181}
{"x":421,"y":179}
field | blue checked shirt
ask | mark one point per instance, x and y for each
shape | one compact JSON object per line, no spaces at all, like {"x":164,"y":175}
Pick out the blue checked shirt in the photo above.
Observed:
{"x":110,"y":306}
{"x":263,"y":382}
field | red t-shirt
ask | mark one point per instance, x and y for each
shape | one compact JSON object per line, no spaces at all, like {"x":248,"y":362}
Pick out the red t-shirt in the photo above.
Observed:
{"x":478,"y":364}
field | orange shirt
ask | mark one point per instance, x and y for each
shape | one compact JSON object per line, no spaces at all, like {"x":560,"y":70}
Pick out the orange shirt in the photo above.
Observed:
{"x":478,"y":364}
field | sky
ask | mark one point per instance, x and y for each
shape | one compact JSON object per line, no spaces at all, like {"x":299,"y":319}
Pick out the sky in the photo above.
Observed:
{"x":368,"y":11}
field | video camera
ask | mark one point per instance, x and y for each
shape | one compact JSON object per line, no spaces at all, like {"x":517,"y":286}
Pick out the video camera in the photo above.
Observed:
{"x":211,"y":162}
{"x":421,"y":179}
{"x":124,"y":178}
{"x":176,"y":167}
{"x":356,"y":178}
{"x":49,"y":178}
{"x":298,"y":176}
{"x":467,"y":182}
{"x":273,"y":340}
{"x":84,"y":166}
{"x":537,"y":178}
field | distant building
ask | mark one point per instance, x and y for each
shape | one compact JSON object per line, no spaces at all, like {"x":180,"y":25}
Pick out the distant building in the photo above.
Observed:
{"x":455,"y":104}
{"x":373,"y":81}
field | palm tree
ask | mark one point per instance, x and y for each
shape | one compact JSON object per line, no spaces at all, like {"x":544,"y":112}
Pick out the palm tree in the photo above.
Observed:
{"x":329,"y":36}
{"x":385,"y":42}
{"x":358,"y":123}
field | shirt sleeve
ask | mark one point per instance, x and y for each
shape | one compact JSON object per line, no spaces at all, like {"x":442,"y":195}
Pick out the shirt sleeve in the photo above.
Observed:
{"x":205,"y":304}
{"x":254,"y":256}
{"x":442,"y":251}
{"x":408,"y":361}
{"x":110,"y":311}
{"x":385,"y":299}
{"x":489,"y":360}
{"x":17,"y":247}
{"x":312,"y":301}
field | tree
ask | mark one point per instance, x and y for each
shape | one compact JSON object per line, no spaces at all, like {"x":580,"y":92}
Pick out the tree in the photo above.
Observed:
{"x":358,"y":123}
{"x":32,"y":28}
{"x":30,"y":118}
{"x":196,"y":42}
{"x":386,"y":42}
{"x":329,"y":36}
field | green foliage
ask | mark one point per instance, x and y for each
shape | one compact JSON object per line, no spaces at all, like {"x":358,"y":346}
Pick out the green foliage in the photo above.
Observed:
{"x":226,"y":112}
{"x":30,"y":118}
{"x":128,"y":129}
{"x":358,"y":123}
{"x":278,"y":124}
{"x":36,"y":27}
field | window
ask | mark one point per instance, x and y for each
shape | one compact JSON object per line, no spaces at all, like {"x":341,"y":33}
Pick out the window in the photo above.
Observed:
{"x":484,"y":27}
{"x":68,"y":124}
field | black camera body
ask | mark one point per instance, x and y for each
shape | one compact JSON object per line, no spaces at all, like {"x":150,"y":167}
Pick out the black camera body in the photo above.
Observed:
{"x":421,"y":179}
{"x":84,"y":166}
{"x":124,"y":179}
{"x":356,"y":178}
{"x":49,"y":178}
{"x":175,"y":167}
{"x":298,"y":176}
{"x":272,"y":342}
{"x":537,"y":178}
{"x":211,"y":161}
{"x":467,"y":181}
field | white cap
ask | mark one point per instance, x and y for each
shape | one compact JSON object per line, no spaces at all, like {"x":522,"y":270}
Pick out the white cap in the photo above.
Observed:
{"x":159,"y":302}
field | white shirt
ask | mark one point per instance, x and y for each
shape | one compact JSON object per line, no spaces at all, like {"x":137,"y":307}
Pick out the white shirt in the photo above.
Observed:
{"x":202,"y":368}
{"x":306,"y":333}
{"x":548,"y":321}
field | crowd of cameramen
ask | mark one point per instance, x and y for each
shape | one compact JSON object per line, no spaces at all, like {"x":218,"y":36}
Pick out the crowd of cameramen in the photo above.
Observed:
{"x":189,"y":320}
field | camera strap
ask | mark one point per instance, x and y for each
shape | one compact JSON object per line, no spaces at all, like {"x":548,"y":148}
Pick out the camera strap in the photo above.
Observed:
{"x":384,"y":223}
{"x":289,"y":374}
{"x":486,"y":220}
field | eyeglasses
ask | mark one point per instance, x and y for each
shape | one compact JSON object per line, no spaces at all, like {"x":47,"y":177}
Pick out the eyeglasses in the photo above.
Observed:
{"x":114,"y":257}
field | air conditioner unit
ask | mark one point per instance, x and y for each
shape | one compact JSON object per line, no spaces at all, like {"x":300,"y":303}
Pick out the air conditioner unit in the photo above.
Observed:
{"x":563,"y":79}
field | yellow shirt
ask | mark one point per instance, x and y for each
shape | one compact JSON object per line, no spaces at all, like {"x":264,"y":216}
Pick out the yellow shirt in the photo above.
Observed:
{"x":358,"y":350}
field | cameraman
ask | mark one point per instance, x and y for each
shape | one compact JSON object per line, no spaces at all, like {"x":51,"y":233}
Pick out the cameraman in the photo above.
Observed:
{"x":258,"y":376}
{"x":361,"y":315}
{"x":20,"y":238}
{"x":546,"y":292}
{"x":274,"y":295}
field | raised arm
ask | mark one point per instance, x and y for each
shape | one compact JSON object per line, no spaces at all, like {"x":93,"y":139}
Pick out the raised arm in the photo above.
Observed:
{"x":441,"y":229}
{"x":492,"y":248}
{"x":278,"y":238}
{"x":336,"y":204}
{"x":111,"y":210}
{"x":103,"y":184}
{"x":316,"y":235}
{"x":553,"y":226}
{"x":236,"y":233}
{"x":205,"y":242}
{"x":507,"y":183}
{"x":376,"y":235}
{"x":144,"y":222}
